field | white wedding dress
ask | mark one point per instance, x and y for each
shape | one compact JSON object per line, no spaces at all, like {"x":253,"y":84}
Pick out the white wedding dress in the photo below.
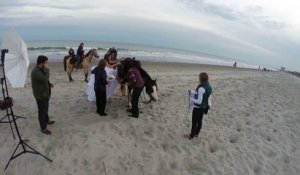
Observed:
{"x":111,"y":88}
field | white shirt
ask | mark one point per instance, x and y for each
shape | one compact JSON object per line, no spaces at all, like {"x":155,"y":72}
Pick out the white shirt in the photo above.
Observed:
{"x":198,"y":101}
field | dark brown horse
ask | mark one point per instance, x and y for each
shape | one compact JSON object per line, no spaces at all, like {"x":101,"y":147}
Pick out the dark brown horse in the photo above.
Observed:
{"x":69,"y":63}
{"x":150,"y":84}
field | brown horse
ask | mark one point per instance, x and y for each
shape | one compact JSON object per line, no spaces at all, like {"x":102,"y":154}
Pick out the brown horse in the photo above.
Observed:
{"x":69,"y":63}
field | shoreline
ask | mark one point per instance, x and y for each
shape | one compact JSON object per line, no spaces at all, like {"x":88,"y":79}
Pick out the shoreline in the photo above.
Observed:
{"x":166,"y":63}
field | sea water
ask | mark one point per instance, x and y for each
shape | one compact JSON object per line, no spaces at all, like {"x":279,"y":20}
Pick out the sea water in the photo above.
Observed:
{"x":56,"y":50}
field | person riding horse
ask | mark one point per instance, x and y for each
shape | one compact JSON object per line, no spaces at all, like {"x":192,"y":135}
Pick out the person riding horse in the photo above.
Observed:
{"x":72,"y":55}
{"x":71,"y":52}
{"x":80,"y":54}
{"x":69,"y":63}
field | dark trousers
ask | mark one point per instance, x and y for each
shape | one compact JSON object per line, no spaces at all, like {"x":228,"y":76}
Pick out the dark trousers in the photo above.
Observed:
{"x":43,"y":106}
{"x":78,"y":60}
{"x":100,"y":100}
{"x":196,"y":121}
{"x":136,"y":92}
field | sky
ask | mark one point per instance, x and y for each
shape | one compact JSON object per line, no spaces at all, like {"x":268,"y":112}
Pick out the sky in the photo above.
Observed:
{"x":258,"y":32}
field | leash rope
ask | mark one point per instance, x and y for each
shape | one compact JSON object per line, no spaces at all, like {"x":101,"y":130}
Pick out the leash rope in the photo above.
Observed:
{"x":188,"y":108}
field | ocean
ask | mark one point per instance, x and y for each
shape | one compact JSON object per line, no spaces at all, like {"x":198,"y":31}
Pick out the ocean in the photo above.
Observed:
{"x":56,"y":50}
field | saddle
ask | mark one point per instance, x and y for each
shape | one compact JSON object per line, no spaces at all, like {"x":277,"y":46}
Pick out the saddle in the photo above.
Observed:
{"x":73,"y":59}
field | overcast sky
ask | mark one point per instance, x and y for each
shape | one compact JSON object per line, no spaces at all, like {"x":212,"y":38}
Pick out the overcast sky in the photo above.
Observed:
{"x":259,"y":32}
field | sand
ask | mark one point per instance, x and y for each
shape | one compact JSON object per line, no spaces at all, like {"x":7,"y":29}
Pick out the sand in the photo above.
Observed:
{"x":253,"y":127}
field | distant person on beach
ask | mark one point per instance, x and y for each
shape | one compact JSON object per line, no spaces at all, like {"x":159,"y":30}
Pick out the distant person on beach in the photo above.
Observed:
{"x":234,"y":65}
{"x":201,"y":100}
{"x":100,"y":86}
{"x":80,"y":53}
{"x":41,"y":87}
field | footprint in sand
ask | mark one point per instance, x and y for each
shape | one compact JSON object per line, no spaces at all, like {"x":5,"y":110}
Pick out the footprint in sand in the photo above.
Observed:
{"x":160,"y":128}
{"x":248,"y":122}
{"x":149,"y":134}
{"x":270,"y":153}
{"x":213,"y":148}
{"x":175,"y":147}
{"x":173,"y":165}
{"x":257,"y":170}
{"x":233,"y":139}
{"x":165,"y":146}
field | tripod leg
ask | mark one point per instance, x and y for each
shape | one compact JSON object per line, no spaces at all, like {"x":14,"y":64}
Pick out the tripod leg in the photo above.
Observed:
{"x":17,"y":116}
{"x":36,"y":152}
{"x":11,"y":127}
{"x":9,"y":121}
{"x":12,"y":157}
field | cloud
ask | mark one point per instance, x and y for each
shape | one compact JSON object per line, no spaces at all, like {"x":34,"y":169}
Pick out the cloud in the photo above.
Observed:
{"x":240,"y":25}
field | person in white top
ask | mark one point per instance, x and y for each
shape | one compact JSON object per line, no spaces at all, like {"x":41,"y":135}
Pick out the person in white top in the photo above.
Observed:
{"x":201,"y":101}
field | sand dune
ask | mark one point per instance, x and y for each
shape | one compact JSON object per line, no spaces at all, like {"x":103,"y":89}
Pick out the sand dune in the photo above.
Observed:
{"x":253,"y":127}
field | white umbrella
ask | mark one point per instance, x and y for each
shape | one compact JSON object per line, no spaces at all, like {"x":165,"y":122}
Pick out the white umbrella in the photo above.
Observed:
{"x":16,"y":61}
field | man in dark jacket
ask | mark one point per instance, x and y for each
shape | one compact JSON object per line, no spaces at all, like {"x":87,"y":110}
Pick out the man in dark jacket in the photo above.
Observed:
{"x":41,"y":91}
{"x":80,"y":53}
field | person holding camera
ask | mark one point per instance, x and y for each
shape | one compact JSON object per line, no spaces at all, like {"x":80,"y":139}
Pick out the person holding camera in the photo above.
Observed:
{"x":41,"y":88}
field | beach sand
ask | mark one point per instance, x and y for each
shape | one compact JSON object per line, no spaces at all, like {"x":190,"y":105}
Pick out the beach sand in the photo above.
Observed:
{"x":253,"y":127}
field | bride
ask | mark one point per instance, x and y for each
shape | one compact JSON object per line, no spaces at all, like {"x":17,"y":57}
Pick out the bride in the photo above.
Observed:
{"x":111,"y":71}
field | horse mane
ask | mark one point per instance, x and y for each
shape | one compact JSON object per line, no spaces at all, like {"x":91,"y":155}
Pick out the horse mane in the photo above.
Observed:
{"x":88,"y":53}
{"x":144,"y":74}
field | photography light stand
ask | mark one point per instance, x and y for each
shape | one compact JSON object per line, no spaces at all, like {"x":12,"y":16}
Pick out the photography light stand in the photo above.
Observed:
{"x":22,"y":142}
{"x":7,"y":112}
{"x":4,"y":89}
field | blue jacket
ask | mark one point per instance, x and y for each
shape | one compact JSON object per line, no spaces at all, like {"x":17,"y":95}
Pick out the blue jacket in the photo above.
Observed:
{"x":80,"y":50}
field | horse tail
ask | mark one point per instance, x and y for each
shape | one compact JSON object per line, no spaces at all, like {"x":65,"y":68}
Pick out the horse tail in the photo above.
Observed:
{"x":65,"y":63}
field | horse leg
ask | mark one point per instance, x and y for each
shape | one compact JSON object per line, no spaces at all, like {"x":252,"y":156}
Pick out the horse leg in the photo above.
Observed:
{"x":70,"y":73}
{"x":86,"y":75}
{"x":71,"y":79}
{"x":85,"y":70}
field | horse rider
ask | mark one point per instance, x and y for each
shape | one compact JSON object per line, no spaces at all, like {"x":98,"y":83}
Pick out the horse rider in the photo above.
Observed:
{"x":71,"y":52}
{"x":80,"y":53}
